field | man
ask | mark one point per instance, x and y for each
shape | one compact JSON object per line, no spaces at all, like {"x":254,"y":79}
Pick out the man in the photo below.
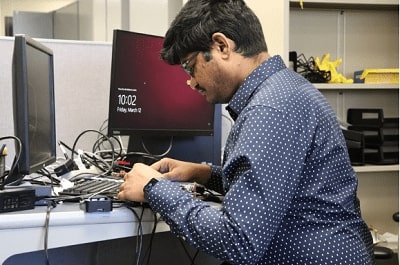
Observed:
{"x":290,"y":191}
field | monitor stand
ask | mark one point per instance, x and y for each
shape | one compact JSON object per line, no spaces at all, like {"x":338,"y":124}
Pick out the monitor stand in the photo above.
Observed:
{"x":198,"y":149}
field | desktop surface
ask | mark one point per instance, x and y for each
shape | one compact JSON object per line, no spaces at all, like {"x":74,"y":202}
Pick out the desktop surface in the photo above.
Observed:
{"x":69,"y":225}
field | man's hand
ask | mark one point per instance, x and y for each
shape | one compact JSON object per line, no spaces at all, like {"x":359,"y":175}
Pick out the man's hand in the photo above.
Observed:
{"x":183,"y":171}
{"x":135,"y":180}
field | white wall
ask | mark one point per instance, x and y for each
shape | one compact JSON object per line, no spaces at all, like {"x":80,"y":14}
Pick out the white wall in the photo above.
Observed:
{"x":149,"y":16}
{"x":117,"y":16}
{"x":274,"y":18}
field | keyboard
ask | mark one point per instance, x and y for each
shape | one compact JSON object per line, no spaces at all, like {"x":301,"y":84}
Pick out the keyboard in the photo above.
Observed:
{"x":86,"y":187}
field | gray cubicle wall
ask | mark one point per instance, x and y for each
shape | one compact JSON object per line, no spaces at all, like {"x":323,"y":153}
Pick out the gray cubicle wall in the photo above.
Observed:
{"x":66,"y":22}
{"x":35,"y":24}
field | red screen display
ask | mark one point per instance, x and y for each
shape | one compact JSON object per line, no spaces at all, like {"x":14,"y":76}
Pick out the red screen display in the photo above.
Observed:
{"x":150,"y":97}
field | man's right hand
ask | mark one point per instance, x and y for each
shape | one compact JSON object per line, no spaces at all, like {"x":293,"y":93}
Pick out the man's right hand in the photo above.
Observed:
{"x":182,"y":171}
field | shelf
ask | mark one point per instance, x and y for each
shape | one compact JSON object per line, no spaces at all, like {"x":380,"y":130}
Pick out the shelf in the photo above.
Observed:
{"x":357,"y":4}
{"x":356,"y":86}
{"x":350,"y":30}
{"x":376,"y":168}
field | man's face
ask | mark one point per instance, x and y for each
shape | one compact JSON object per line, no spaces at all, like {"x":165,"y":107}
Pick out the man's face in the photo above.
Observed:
{"x":209,"y":76}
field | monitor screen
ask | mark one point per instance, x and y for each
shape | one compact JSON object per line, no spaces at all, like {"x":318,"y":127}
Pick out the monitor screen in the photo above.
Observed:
{"x":33,"y":106}
{"x":148,"y":96}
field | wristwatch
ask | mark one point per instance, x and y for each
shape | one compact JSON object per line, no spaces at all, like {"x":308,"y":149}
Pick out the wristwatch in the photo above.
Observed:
{"x":147,"y":188}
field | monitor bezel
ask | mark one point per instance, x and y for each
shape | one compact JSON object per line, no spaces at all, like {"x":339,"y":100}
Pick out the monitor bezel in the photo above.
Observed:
{"x":21,"y":107}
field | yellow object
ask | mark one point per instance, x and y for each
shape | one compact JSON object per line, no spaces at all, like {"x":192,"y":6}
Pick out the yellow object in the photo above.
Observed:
{"x":326,"y":65}
{"x":301,"y":3}
{"x":383,"y":76}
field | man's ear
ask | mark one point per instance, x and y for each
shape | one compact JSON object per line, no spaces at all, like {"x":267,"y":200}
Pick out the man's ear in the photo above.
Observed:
{"x":222,"y":44}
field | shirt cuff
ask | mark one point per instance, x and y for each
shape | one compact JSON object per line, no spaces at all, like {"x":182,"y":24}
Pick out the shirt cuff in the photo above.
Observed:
{"x":215,"y":181}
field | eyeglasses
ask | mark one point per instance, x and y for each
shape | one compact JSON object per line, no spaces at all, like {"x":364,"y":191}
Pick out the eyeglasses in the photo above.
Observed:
{"x":185,"y":64}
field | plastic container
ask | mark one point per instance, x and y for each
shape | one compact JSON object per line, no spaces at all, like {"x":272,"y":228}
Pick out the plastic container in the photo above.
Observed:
{"x":381,"y":76}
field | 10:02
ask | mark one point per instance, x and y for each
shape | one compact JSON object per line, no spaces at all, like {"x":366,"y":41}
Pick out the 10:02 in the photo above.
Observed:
{"x":129,"y":100}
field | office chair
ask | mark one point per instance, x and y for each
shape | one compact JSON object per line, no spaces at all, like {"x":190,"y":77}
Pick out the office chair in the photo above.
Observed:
{"x":384,"y":253}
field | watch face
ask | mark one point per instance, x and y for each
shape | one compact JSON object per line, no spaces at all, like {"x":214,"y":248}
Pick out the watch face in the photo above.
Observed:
{"x":149,"y":185}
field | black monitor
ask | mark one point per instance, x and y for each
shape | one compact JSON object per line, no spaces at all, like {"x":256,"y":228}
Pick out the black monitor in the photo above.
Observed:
{"x":33,"y":106}
{"x":151,"y":102}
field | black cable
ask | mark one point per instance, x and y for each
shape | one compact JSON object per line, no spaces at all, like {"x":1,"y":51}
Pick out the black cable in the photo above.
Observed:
{"x":140,"y":232}
{"x":53,"y":180}
{"x":187,"y":252}
{"x":308,"y":69}
{"x":97,"y":147}
{"x":95,"y":161}
{"x":101,"y":140}
{"x":15,"y":161}
{"x":50,"y":206}
{"x":129,"y":155}
{"x":111,"y":144}
{"x":104,"y":125}
{"x":162,"y":154}
{"x":68,"y":147}
{"x":150,"y":247}
{"x":139,"y":238}
{"x":195,"y":256}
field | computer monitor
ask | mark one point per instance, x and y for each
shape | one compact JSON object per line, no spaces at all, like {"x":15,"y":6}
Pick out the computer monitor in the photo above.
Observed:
{"x":150,"y":97}
{"x":33,"y":106}
{"x":151,"y":102}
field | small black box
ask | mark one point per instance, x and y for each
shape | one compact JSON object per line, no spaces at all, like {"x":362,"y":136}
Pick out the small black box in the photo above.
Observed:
{"x":365,"y":117}
{"x":17,"y":199}
{"x":382,"y":155}
{"x":97,"y":204}
{"x":372,"y":135}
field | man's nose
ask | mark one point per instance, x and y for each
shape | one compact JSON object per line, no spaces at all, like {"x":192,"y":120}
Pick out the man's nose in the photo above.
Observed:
{"x":192,"y":83}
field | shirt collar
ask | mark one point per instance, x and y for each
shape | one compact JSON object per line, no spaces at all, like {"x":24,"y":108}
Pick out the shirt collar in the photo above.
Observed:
{"x":241,"y":98}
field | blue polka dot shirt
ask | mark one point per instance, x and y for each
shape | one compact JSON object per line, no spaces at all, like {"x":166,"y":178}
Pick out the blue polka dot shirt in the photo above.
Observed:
{"x":290,"y":191}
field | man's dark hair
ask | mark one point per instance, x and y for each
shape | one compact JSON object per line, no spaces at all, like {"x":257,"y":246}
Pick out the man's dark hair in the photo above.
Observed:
{"x":198,"y":20}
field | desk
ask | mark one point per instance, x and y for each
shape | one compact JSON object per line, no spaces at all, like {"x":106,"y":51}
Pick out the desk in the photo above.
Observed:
{"x":24,"y":231}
